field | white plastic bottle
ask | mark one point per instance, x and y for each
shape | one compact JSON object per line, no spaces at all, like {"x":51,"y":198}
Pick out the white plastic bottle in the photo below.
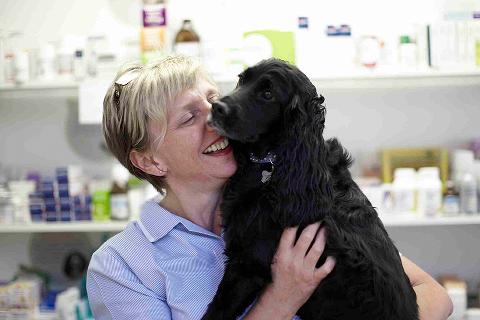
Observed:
{"x":468,"y":194}
{"x":119,"y":193}
{"x":404,"y":186}
{"x":22,"y":67}
{"x":429,"y":191}
{"x":79,"y":65}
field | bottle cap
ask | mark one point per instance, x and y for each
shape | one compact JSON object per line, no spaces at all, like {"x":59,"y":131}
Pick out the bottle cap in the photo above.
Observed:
{"x":404,"y":173}
{"x":404,"y":39}
{"x":429,"y":172}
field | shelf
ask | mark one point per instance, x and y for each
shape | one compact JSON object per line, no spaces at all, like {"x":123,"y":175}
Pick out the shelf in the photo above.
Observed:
{"x":411,"y":220}
{"x":51,"y":227}
{"x":338,"y":79}
{"x":389,"y":220}
{"x":397,"y":78}
{"x":51,"y":89}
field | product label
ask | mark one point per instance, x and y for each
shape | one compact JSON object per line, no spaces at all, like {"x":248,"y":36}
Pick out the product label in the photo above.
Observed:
{"x":429,"y":201}
{"x":451,"y":205}
{"x":191,"y":49}
{"x":101,"y":205}
{"x":154,"y":15}
{"x":153,"y":38}
{"x":404,"y":200}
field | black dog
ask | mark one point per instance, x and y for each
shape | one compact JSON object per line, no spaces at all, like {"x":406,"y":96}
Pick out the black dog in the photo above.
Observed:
{"x":288,"y":175}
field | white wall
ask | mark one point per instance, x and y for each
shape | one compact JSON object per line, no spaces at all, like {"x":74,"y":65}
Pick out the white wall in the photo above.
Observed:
{"x":216,"y":20}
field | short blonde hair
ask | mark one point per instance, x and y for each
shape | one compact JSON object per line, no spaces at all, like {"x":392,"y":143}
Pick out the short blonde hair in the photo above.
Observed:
{"x":128,"y":108}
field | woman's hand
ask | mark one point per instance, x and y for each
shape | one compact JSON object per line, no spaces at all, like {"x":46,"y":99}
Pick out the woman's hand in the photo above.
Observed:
{"x":294,"y":272}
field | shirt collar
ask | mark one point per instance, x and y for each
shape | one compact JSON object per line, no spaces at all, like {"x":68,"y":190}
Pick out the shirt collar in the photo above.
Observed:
{"x":156,"y":222}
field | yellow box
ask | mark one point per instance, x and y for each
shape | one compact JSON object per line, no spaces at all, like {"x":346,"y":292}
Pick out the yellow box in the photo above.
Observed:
{"x":414,"y":158}
{"x":477,"y":49}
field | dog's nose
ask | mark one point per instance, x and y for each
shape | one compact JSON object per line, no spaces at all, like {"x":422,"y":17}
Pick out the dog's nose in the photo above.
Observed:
{"x":220,"y":108}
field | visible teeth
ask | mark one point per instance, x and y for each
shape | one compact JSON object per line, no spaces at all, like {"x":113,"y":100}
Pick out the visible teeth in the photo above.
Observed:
{"x":217,"y":146}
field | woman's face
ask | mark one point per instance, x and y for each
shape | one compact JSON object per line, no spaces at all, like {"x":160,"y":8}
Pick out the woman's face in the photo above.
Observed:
{"x":183,"y":152}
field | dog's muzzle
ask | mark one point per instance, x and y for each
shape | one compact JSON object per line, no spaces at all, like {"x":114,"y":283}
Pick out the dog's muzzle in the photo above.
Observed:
{"x":220,"y":109}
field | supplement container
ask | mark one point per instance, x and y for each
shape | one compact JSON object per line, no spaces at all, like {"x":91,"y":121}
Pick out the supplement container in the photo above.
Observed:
{"x":404,"y":186}
{"x":187,"y":41}
{"x":468,"y":194}
{"x":119,"y":209}
{"x":429,"y":191}
{"x":461,"y":162}
{"x":451,"y":200}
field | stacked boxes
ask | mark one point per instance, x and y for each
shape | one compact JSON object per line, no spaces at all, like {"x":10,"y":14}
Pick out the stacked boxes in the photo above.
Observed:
{"x":62,"y":198}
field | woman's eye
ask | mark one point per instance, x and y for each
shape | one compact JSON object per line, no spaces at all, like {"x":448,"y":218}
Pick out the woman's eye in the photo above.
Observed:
{"x":267,"y":95}
{"x":188,"y":119}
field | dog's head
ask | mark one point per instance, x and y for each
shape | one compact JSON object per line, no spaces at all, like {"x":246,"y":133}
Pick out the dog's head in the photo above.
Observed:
{"x":267,"y":98}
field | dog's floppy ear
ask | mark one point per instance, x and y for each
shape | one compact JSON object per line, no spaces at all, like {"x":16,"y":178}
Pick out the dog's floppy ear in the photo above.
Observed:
{"x":294,"y":103}
{"x":303,"y":109}
{"x":319,"y":110}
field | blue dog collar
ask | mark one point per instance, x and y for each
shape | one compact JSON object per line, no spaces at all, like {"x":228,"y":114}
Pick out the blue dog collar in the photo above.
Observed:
{"x":269,"y":158}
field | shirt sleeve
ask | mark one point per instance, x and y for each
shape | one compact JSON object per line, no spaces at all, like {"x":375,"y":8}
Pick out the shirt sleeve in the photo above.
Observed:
{"x":114,"y":292}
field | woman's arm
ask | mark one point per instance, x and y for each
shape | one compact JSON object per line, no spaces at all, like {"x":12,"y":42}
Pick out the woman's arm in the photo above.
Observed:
{"x":433,"y":301}
{"x":294,"y":274}
{"x":114,"y":292}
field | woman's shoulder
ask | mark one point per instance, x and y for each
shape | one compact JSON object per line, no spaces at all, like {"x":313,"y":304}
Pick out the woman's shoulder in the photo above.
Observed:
{"x":128,"y":242}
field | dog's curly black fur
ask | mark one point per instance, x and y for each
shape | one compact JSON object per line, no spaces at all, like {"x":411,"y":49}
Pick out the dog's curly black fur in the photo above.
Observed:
{"x":275,"y":110}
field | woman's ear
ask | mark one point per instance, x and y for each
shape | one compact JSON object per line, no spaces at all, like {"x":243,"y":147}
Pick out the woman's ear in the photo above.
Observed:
{"x":147,"y":164}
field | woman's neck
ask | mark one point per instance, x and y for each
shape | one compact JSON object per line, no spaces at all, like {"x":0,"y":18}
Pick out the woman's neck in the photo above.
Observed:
{"x":200,"y":207}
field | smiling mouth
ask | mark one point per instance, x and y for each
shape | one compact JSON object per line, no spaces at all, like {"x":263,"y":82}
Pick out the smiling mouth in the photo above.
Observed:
{"x":217,"y":146}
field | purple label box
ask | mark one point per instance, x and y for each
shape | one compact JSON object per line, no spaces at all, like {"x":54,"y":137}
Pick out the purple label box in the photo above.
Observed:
{"x":154,"y":16}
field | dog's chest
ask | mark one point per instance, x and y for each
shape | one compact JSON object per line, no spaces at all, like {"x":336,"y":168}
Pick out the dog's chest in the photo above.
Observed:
{"x":253,"y":177}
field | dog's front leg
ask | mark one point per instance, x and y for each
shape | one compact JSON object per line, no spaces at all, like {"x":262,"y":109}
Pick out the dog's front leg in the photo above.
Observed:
{"x":235,"y":293}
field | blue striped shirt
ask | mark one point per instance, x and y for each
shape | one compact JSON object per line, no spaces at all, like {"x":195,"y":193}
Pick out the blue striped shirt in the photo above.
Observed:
{"x":160,"y":267}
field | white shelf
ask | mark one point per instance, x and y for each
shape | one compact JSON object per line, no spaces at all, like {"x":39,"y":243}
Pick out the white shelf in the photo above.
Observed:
{"x":389,"y":220}
{"x":397,"y":78}
{"x":411,"y":220}
{"x":344,"y":79}
{"x":52,"y":89}
{"x":51,"y":227}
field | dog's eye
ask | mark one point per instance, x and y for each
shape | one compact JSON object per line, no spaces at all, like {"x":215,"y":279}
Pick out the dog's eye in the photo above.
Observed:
{"x":267,"y":95}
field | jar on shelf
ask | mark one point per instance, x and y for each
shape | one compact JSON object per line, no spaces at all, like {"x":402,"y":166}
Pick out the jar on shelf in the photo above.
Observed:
{"x":404,"y":187}
{"x":408,"y":51}
{"x":187,"y":41}
{"x":429,"y":188}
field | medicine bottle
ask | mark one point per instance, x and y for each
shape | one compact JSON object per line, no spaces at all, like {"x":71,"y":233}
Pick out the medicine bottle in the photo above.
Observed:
{"x":404,"y":186}
{"x":429,"y":191}
{"x":119,"y":194}
{"x":451,"y":200}
{"x":187,"y":41}
{"x":468,"y":194}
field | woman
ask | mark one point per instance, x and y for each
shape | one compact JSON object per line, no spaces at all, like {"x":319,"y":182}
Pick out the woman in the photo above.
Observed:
{"x":168,"y":264}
